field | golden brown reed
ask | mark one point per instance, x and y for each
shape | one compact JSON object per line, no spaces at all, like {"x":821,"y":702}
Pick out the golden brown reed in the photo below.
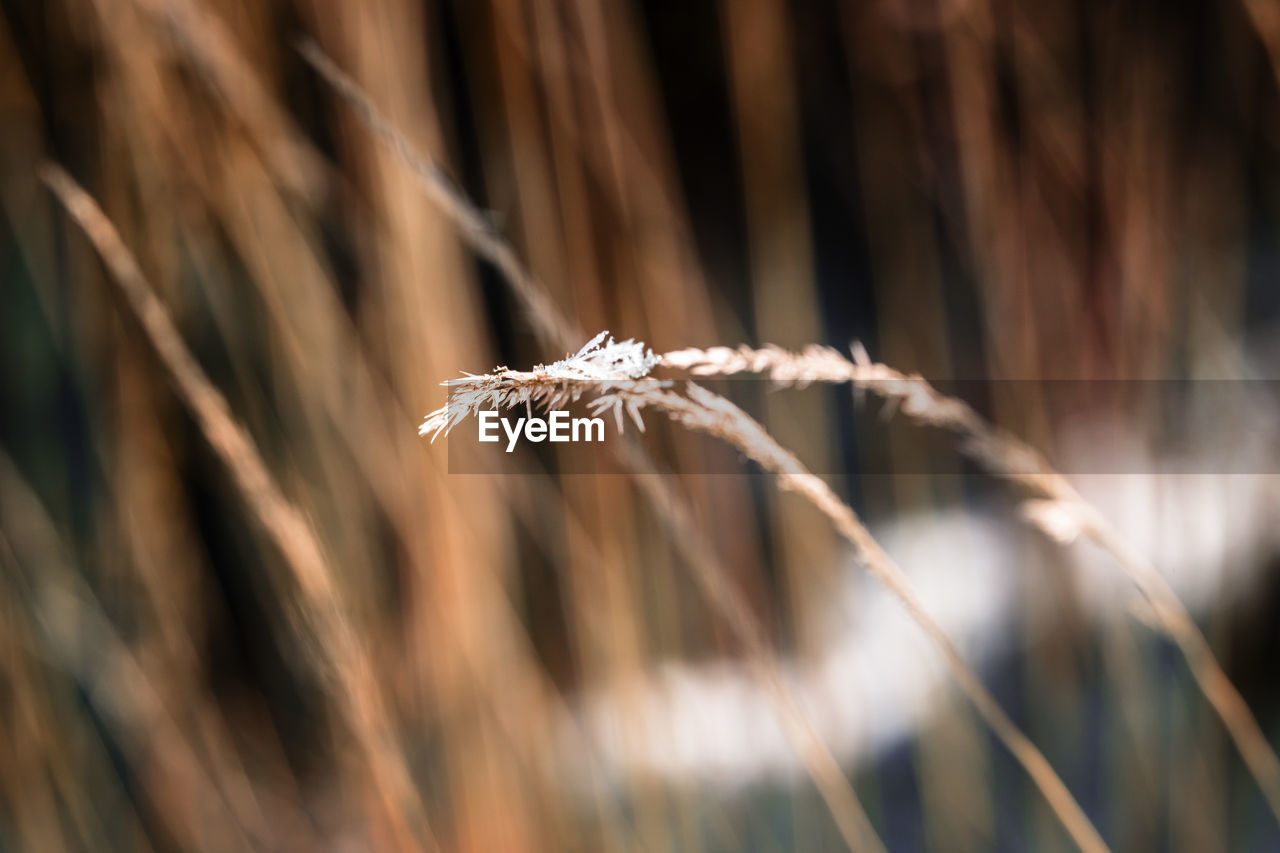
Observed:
{"x":334,"y":650}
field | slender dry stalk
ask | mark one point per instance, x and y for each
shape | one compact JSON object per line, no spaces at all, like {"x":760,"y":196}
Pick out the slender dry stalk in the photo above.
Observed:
{"x":556,"y":332}
{"x":522,"y":678}
{"x":481,"y":237}
{"x":1057,"y":508}
{"x":301,"y":299}
{"x":703,"y":411}
{"x":732,"y":606}
{"x":334,"y":650}
{"x":619,"y":369}
{"x":717,"y":416}
{"x":474,"y":228}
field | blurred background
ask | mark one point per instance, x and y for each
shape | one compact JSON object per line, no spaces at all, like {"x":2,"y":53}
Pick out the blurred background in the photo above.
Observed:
{"x":982,"y":190}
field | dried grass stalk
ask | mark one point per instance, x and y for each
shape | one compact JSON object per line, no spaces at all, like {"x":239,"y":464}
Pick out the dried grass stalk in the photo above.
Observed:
{"x":1056,"y":507}
{"x":475,"y":229}
{"x":334,"y":650}
{"x":556,"y":332}
{"x":703,"y":411}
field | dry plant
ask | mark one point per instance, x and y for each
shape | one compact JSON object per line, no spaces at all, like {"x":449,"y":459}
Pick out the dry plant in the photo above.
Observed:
{"x":615,"y":364}
{"x":333,"y":649}
{"x":613,"y":372}
{"x":1056,"y":507}
{"x":1005,"y":145}
{"x":339,"y":656}
{"x":703,"y":411}
{"x":472,"y":225}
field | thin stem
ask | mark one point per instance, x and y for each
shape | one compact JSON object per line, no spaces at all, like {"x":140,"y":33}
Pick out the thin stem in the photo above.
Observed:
{"x":338,"y":655}
{"x":558,"y":334}
{"x":712,"y":414}
{"x":1008,"y":457}
{"x":701,"y":410}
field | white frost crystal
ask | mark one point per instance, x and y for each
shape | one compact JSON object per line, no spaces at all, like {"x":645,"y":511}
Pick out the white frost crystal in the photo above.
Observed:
{"x":602,"y":366}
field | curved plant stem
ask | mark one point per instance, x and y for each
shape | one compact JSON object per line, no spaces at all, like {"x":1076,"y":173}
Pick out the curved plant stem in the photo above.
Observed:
{"x":1058,"y":508}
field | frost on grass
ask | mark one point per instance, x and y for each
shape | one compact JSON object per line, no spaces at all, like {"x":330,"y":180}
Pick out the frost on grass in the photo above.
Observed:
{"x":614,"y":372}
{"x":628,"y":359}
